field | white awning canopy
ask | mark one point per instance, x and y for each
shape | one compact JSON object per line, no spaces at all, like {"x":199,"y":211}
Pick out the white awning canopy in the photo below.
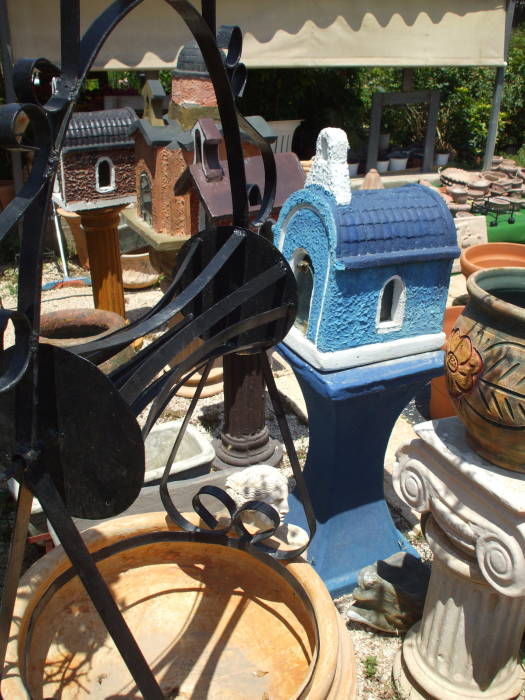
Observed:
{"x":288,"y":34}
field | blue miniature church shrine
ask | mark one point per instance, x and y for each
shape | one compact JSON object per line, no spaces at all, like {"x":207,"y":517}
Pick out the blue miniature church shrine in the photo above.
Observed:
{"x":373,"y":270}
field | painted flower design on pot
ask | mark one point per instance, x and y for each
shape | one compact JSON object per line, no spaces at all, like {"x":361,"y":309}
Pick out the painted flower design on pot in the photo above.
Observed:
{"x":463,"y":364}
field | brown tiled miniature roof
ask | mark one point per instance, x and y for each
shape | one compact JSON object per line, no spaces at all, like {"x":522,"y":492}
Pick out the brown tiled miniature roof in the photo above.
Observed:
{"x":216,"y":194}
{"x":105,"y":128}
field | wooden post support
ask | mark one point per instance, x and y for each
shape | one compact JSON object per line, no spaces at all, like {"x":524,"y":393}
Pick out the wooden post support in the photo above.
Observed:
{"x":101,"y":228}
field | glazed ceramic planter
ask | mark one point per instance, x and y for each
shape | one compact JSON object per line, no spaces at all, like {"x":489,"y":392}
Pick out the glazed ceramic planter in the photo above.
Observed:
{"x":488,"y":255}
{"x":212,"y":621}
{"x":485,"y":366}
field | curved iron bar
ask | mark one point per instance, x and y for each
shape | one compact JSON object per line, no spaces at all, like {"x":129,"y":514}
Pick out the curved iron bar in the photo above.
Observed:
{"x":216,"y":347}
{"x":226,"y":325}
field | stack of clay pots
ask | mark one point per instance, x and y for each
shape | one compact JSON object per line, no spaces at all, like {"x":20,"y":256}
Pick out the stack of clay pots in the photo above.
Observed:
{"x":503,"y":184}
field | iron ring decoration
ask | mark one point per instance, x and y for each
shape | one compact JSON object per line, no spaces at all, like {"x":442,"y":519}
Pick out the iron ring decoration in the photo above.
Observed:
{"x":55,"y":113}
{"x":50,"y":122}
{"x":10,"y":115}
{"x":91,"y":44}
{"x":21,"y":353}
{"x":234,"y":522}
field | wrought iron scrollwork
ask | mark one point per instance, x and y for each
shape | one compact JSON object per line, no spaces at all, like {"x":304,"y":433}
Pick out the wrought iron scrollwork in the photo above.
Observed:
{"x":234,"y":290}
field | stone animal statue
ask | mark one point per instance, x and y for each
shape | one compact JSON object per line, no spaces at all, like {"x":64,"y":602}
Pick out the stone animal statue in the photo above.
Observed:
{"x":262,"y":482}
{"x":390,"y":594}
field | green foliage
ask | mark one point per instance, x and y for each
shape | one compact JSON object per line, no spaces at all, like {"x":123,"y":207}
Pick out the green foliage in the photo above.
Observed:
{"x":370,"y":664}
{"x":165,"y":79}
{"x":320,"y":96}
{"x":124,"y":81}
{"x":343,"y":97}
{"x":513,"y":103}
{"x":520,"y":156}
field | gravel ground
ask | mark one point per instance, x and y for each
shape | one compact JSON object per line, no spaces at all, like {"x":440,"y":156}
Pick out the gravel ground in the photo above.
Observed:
{"x":374,"y":651}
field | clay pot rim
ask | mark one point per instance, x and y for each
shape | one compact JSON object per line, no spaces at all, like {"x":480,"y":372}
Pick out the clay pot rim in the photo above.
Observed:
{"x":102,"y":317}
{"x":482,"y":183}
{"x":468,"y":258}
{"x":136,"y":252}
{"x":488,"y":300}
{"x":318,"y":605}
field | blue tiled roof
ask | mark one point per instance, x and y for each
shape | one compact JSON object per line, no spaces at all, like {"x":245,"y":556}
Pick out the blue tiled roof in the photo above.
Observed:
{"x":402,"y":223}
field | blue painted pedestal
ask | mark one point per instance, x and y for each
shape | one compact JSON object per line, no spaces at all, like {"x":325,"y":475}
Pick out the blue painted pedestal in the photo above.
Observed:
{"x":351,"y":414}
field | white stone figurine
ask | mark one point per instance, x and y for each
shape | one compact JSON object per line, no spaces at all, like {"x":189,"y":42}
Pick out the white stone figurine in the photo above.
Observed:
{"x":329,"y":168}
{"x":262,"y":482}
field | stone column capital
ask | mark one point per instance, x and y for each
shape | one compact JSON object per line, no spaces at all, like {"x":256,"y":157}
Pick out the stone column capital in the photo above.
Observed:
{"x":95,"y":219}
{"x":480,"y":508}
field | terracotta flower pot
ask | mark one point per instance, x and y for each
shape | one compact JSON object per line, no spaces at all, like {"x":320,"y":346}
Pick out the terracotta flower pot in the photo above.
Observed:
{"x":78,"y":326}
{"x":79,"y":235}
{"x":137,"y":270}
{"x":212,"y":621}
{"x":485,"y":366}
{"x":487,"y":255}
{"x":441,"y":405}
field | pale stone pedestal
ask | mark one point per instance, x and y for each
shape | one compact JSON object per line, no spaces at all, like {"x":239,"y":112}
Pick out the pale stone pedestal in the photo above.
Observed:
{"x":467,"y":643}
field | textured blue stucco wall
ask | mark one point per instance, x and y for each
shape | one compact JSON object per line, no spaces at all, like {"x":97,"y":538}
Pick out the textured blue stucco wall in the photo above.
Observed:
{"x":308,"y":220}
{"x":344,"y":316}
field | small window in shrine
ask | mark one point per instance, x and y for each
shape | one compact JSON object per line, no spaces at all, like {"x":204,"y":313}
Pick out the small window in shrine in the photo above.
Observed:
{"x":105,"y":175}
{"x":146,"y":210}
{"x":304,"y":274}
{"x":391,"y":308}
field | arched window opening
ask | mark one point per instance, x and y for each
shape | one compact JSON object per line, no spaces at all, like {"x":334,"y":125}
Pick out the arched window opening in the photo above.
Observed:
{"x":105,"y":175}
{"x":387,"y":299}
{"x":304,"y":274}
{"x":391,"y":307}
{"x":145,"y":205}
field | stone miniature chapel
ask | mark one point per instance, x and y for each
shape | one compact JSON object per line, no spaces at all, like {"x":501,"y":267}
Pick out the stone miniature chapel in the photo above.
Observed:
{"x":177,"y":195}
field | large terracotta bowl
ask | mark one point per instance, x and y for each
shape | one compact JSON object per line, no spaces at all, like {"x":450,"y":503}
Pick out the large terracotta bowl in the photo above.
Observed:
{"x":486,"y":255}
{"x":77,"y":326}
{"x":137,"y":270}
{"x":485,"y":366}
{"x":212,"y":622}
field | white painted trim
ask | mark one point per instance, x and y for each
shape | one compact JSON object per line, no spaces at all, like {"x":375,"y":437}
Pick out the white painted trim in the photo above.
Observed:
{"x":105,"y":188}
{"x":363,"y":354}
{"x":398,"y":306}
{"x":78,"y":205}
